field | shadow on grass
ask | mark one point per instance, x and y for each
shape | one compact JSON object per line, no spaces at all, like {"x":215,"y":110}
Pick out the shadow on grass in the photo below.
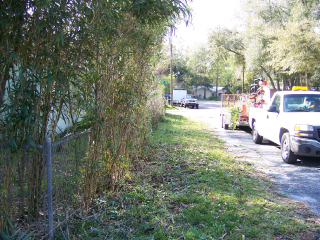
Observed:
{"x":189,"y":187}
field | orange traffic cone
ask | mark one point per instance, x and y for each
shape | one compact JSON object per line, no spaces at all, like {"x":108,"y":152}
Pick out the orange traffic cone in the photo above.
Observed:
{"x":244,"y":107}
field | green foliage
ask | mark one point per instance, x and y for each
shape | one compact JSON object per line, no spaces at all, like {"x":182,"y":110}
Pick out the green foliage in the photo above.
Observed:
{"x":229,"y":45}
{"x":302,"y":52}
{"x":65,"y":60}
{"x":213,"y":98}
{"x":190,"y":187}
{"x":10,"y":233}
{"x":235,"y":113}
{"x":169,"y":107}
{"x":279,"y":42}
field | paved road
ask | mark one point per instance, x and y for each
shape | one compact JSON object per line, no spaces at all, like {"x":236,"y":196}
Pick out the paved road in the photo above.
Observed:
{"x":299,"y":181}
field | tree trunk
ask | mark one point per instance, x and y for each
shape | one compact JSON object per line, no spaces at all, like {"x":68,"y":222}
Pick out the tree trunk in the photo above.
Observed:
{"x":301,"y":84}
{"x":291,"y":82}
{"x":307,"y":80}
{"x":284,"y":83}
{"x":2,"y":89}
{"x":270,"y":78}
{"x":4,"y":80}
{"x":278,"y":83}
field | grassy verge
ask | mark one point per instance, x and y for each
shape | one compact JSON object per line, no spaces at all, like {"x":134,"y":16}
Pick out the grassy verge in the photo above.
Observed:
{"x":169,"y":107}
{"x":191,"y":188}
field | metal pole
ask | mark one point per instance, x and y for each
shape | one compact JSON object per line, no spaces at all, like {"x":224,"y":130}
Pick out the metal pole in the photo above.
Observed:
{"x":49,"y":185}
{"x":217,"y":84}
{"x":44,"y":161}
{"x":243,"y":78}
{"x":171,"y":82}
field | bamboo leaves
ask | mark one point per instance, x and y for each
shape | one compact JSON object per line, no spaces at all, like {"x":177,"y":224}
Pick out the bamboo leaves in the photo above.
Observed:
{"x":63,"y":59}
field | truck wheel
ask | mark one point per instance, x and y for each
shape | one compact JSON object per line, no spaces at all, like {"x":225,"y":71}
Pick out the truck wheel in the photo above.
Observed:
{"x":257,"y":139}
{"x":185,"y":105}
{"x":197,"y":106}
{"x":226,"y":126}
{"x":287,"y":155}
{"x":192,"y":107}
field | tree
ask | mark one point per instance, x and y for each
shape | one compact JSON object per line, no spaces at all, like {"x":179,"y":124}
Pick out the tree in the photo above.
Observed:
{"x":280,"y":37}
{"x":72,"y":56}
{"x":218,"y":63}
{"x":296,"y":49}
{"x":232,"y":42}
{"x":199,"y":63}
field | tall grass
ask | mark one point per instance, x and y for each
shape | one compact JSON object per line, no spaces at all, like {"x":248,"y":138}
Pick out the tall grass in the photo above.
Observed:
{"x":189,"y":187}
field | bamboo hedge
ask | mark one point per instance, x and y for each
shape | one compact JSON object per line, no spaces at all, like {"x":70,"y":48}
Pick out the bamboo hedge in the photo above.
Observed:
{"x":61,"y":59}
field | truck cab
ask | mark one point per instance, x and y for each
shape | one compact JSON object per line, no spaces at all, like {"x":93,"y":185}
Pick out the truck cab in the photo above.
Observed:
{"x":292,"y":120}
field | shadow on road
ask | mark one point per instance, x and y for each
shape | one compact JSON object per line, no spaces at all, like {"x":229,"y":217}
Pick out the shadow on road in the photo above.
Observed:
{"x":312,"y":162}
{"x":303,"y":161}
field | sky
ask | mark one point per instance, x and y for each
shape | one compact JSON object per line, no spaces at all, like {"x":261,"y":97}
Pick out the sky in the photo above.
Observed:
{"x":206,"y":15}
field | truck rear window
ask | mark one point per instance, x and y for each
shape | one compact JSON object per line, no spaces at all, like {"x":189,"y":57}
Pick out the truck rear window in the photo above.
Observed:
{"x":301,"y":102}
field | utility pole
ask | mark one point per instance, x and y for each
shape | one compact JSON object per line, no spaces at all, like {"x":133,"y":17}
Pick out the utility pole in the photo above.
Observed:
{"x":217,"y":84}
{"x":204,"y":86}
{"x":171,"y":82}
{"x":243,"y":78}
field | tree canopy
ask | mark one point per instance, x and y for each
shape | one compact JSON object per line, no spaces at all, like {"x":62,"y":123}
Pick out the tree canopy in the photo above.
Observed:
{"x":277,"y":40}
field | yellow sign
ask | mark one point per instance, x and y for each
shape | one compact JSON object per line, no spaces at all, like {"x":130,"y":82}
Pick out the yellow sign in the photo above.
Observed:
{"x":299,"y":88}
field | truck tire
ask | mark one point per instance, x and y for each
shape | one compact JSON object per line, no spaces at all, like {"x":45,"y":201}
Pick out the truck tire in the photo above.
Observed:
{"x":226,"y":126}
{"x":287,"y":155}
{"x":257,"y":139}
{"x":185,"y":105}
{"x":197,"y":106}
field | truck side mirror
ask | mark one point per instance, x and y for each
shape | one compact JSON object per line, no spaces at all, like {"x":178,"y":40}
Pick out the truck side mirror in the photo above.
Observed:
{"x":272,"y":108}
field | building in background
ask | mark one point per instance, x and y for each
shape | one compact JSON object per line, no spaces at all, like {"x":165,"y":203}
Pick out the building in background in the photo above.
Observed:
{"x":206,"y":92}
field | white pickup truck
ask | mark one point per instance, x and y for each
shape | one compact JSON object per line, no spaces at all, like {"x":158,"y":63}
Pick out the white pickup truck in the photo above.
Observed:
{"x":292,"y":120}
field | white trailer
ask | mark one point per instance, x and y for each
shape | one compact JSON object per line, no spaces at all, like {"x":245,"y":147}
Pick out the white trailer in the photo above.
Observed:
{"x":227,"y":102}
{"x":178,"y":95}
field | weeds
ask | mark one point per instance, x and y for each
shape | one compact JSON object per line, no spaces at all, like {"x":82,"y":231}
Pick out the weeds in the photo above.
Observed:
{"x":190,"y":188}
{"x":10,"y":233}
{"x":168,"y":106}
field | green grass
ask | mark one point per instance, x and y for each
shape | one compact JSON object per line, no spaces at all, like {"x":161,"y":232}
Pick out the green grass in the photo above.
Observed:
{"x":189,"y":187}
{"x":169,"y":107}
